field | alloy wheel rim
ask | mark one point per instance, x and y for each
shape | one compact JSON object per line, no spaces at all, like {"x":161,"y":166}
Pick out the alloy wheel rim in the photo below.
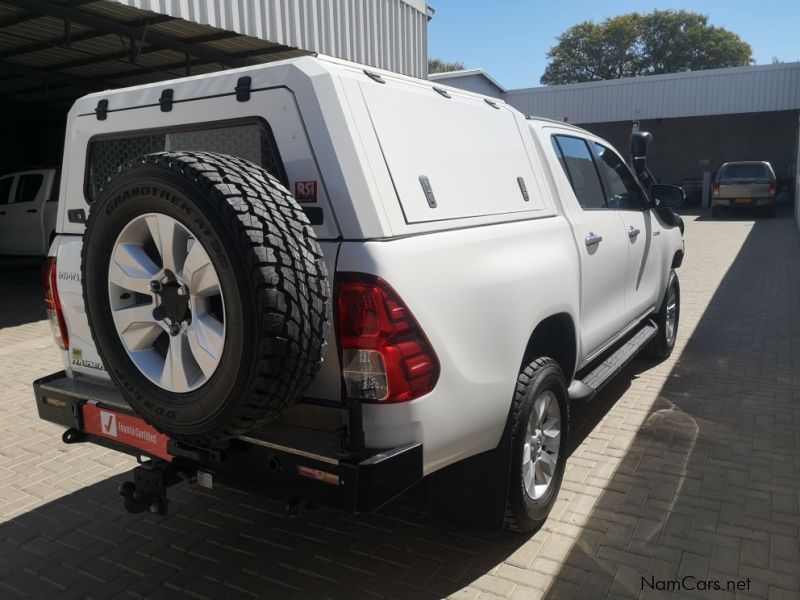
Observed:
{"x":672,"y":313}
{"x":542,"y":445}
{"x":166,"y":303}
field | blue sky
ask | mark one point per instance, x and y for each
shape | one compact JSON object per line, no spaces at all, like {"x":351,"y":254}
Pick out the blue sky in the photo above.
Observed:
{"x":509,"y":38}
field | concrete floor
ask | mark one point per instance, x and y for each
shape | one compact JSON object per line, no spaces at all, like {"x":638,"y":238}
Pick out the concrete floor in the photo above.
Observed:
{"x":685,"y":468}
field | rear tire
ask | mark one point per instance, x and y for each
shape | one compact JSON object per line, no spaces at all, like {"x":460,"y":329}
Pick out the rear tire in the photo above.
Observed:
{"x":537,"y":460}
{"x":219,"y":367}
{"x":714,"y":212}
{"x":667,"y":319}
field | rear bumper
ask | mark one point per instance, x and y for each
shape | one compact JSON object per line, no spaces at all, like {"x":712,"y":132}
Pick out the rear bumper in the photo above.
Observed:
{"x":736,"y":203}
{"x":285,"y":461}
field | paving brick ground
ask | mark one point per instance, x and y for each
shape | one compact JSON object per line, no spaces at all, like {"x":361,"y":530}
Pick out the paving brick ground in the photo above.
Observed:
{"x":689,"y":467}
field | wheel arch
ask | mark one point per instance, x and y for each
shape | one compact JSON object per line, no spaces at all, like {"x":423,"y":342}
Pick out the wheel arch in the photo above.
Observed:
{"x":677,"y":259}
{"x":555,"y":337}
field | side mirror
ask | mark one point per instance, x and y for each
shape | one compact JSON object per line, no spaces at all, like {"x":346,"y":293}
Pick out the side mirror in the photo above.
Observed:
{"x":640,"y":142}
{"x":667,"y":196}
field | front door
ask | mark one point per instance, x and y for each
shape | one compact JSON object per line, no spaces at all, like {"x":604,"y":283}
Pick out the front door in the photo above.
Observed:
{"x":643,"y":231}
{"x":601,"y":240}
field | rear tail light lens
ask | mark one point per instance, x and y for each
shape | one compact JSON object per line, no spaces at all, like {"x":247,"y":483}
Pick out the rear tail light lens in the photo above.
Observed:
{"x":772,"y":188}
{"x":385,"y":354}
{"x":53,"y":304}
{"x":716,"y":188}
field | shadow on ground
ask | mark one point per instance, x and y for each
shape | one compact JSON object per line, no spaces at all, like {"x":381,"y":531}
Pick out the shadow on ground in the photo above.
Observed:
{"x":21,"y":291}
{"x":708,"y":488}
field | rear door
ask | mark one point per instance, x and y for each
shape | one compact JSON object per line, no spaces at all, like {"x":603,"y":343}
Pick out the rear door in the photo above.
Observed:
{"x":25,"y":214}
{"x":601,"y":241}
{"x":624,"y":193}
{"x":6,"y":189}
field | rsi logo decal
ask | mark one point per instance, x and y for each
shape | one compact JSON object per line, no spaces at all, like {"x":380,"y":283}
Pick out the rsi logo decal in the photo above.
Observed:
{"x":108,"y":421}
{"x":305,"y":191}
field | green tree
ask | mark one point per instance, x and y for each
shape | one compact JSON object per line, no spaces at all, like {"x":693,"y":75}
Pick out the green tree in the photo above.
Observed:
{"x":437,"y":65}
{"x":663,"y":41}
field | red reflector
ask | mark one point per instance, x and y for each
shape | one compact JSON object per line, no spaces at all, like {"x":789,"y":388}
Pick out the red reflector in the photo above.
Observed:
{"x":125,"y":429}
{"x":385,"y":354}
{"x":53,"y":304}
{"x":55,"y":402}
{"x":318,"y":475}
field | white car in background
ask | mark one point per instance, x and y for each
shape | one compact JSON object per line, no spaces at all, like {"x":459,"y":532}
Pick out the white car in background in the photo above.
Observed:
{"x":28,"y":210}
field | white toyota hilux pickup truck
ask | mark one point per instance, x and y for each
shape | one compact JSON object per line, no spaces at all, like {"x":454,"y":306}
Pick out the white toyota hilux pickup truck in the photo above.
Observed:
{"x":325,"y":281}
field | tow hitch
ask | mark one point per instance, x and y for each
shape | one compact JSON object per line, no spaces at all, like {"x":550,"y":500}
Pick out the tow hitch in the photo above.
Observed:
{"x":148,"y":490}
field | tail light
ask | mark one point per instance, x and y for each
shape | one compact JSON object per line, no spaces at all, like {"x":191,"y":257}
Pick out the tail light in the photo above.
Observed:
{"x":385,"y":355}
{"x":53,"y":304}
{"x":716,"y":188}
{"x":772,"y":188}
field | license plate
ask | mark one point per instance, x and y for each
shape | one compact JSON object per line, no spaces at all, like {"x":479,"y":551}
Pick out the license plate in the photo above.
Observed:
{"x":743,"y":201}
{"x":125,"y":429}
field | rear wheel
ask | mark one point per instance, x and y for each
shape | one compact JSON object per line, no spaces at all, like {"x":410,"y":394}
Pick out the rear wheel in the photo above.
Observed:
{"x":539,"y":444}
{"x":714,"y":212}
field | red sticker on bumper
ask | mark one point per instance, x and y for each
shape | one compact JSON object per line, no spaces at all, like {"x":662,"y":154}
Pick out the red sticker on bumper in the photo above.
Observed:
{"x":125,"y":429}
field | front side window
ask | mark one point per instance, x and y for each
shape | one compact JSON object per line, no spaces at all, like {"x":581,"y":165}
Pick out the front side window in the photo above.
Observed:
{"x":623,"y":192}
{"x":576,"y":159}
{"x":28,"y":188}
{"x":251,"y":141}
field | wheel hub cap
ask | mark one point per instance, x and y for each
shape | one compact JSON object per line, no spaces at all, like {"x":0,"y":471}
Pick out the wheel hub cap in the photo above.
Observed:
{"x":542,"y":445}
{"x":166,"y":302}
{"x":174,"y":302}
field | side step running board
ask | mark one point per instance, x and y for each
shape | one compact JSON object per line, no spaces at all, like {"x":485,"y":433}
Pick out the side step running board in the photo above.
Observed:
{"x":589,"y":384}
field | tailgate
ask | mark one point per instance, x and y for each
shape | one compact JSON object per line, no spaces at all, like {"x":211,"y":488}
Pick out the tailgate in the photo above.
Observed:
{"x":744,"y":189}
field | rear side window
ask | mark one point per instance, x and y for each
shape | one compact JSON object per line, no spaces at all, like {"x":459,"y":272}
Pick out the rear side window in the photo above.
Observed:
{"x":745,"y":172}
{"x":5,"y":189}
{"x":576,"y":159}
{"x":28,"y":188}
{"x":251,"y":141}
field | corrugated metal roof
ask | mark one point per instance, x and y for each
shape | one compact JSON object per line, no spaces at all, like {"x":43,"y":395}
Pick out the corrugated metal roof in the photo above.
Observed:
{"x":452,"y":77}
{"x":116,"y":43}
{"x":389,"y":34}
{"x":736,"y":90}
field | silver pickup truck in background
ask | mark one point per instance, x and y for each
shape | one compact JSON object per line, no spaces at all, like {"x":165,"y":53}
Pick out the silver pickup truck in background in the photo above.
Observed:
{"x":28,"y":209}
{"x":743,"y":185}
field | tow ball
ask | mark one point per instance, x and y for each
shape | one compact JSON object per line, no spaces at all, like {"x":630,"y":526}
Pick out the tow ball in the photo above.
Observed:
{"x":148,"y":490}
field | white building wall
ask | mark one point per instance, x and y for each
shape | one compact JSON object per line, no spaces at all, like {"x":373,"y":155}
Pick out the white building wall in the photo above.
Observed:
{"x":713,"y":92}
{"x":388,"y":34}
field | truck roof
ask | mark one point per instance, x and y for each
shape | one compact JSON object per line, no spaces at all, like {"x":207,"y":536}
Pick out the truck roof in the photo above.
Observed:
{"x":262,"y":76}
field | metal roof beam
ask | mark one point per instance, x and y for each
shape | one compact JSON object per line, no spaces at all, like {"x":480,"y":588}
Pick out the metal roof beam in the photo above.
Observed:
{"x":11,"y":21}
{"x":76,"y":38}
{"x":123,"y":54}
{"x":45,"y":7}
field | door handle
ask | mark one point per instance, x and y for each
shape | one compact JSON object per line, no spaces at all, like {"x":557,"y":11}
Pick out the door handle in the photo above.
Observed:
{"x":31,"y":210}
{"x":633,"y":232}
{"x":593,"y":239}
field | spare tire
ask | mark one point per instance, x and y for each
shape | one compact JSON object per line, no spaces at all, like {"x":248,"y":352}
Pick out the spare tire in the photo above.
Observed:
{"x":206,"y":293}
